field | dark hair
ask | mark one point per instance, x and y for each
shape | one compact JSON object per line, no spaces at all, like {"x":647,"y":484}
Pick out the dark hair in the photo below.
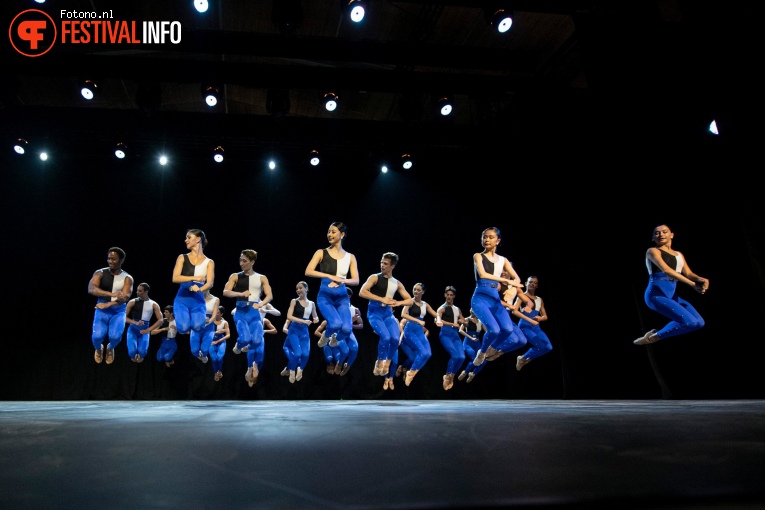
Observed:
{"x":146,"y":286}
{"x":199,"y":233}
{"x":119,"y":251}
{"x":496,"y":230}
{"x":420,"y":284}
{"x":392,"y":257}
{"x":250,"y":254}
{"x":304,"y":284}
{"x":339,"y":225}
{"x":169,"y":308}
{"x":450,"y":288}
{"x":221,"y":309}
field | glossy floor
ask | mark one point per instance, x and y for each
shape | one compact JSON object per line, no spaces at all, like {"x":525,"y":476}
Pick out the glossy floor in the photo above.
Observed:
{"x":377,"y":455}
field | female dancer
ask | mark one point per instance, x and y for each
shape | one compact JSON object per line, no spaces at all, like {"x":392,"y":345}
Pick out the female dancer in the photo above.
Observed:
{"x":665,"y":268}
{"x":334,"y":265}
{"x":301,"y":314}
{"x":218,"y":345}
{"x":247,"y":286}
{"x":169,"y":346}
{"x":449,"y":320}
{"x":196,"y":273}
{"x":200,"y":342}
{"x":486,"y":303}
{"x":472,"y":332}
{"x":414,"y":331}
{"x":528,"y":322}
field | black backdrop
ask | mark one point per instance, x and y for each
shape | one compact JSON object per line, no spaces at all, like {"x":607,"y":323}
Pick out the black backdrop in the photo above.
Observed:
{"x":575,"y":210}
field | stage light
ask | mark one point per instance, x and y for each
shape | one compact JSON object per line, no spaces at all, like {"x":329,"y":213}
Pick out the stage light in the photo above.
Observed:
{"x":88,"y":89}
{"x":163,"y":160}
{"x":384,"y":169}
{"x":501,"y":18}
{"x":201,"y":5}
{"x":330,"y":101}
{"x":120,"y":150}
{"x":21,"y":146}
{"x":444,"y":105}
{"x":44,"y":156}
{"x":211,"y":93}
{"x":218,"y":154}
{"x":272,"y":164}
{"x":314,"y":158}
{"x":356,"y":9}
{"x":406,"y":161}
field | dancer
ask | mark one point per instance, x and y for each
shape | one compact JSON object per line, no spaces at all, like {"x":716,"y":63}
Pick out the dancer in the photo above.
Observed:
{"x":379,"y":289}
{"x":200,"y":341}
{"x":247,"y":286}
{"x":486,"y":303}
{"x":472,"y":332}
{"x":169,"y":346}
{"x":353,"y":344}
{"x":333,"y":265}
{"x":196,"y":273}
{"x":301,"y":314}
{"x":414,"y":332}
{"x":218,"y":345}
{"x":138,"y":315}
{"x":528,"y":321}
{"x":665,"y":268}
{"x":113,"y":287}
{"x":449,"y":320}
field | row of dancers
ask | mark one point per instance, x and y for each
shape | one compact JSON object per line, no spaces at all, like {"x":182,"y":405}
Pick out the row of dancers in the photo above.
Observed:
{"x":496,"y":295}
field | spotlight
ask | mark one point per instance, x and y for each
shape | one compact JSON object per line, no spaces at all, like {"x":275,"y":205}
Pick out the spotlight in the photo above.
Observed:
{"x":330,"y":101}
{"x":355,"y":9}
{"x":314,"y":158}
{"x":406,"y":161}
{"x":44,"y":156}
{"x":444,"y":104}
{"x":218,"y":154}
{"x":501,"y":18}
{"x":211,"y":94}
{"x":21,"y":146}
{"x":88,"y":89}
{"x":163,"y":160}
{"x":384,"y":169}
{"x":120,"y":151}
{"x":272,"y":164}
{"x":201,"y":5}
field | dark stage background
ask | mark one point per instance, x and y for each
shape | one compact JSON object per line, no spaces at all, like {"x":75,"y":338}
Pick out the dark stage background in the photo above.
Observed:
{"x":575,"y":210}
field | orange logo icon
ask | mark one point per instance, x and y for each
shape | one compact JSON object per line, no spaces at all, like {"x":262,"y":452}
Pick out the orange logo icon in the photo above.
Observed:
{"x":32,"y":33}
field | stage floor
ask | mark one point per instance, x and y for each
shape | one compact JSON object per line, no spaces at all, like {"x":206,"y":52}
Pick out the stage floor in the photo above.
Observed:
{"x":376,"y":455}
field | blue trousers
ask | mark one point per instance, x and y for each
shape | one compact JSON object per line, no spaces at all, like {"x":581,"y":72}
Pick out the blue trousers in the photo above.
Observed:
{"x":417,"y":342}
{"x":334,"y":305}
{"x":136,"y":342}
{"x":167,"y":349}
{"x":661,"y":296}
{"x":489,"y":310}
{"x":201,"y":341}
{"x":450,"y":339}
{"x":108,"y":323}
{"x":189,"y":309}
{"x":384,"y":324}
